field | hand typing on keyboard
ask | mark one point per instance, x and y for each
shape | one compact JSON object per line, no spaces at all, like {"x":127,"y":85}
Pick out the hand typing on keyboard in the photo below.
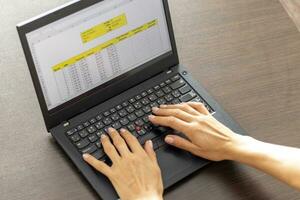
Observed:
{"x":134,"y":173}
{"x":207,"y":137}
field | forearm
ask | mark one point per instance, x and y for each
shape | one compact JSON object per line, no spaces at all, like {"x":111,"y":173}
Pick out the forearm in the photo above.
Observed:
{"x":280,"y":162}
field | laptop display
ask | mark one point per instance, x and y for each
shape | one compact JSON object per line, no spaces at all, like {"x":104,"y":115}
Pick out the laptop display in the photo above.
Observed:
{"x":93,"y":46}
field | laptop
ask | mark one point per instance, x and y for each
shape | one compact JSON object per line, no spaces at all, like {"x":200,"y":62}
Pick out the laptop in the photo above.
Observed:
{"x":98,"y":64}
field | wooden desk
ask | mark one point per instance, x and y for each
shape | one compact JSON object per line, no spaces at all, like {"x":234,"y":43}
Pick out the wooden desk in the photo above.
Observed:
{"x":246,"y":53}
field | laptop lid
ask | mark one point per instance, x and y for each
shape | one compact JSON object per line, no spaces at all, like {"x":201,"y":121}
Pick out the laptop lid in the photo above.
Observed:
{"x":88,"y":51}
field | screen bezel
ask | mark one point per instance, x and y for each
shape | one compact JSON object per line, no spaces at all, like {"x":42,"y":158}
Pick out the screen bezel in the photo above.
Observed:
{"x":103,"y":92}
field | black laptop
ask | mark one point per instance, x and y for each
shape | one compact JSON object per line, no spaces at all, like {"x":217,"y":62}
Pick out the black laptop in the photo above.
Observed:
{"x":98,"y":64}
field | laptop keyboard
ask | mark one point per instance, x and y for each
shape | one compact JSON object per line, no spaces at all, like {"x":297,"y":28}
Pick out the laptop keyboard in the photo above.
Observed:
{"x":132,"y":115}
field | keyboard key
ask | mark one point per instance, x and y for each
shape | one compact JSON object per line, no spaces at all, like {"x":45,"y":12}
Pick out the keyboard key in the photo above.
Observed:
{"x":119,"y":107}
{"x":157,"y":87}
{"x":99,"y":117}
{"x":83,"y":133}
{"x":117,"y":125}
{"x":124,"y":121}
{"x":177,"y":84}
{"x":93,"y":138}
{"x":144,"y":94}
{"x":167,"y":90}
{"x":176,"y":101}
{"x":176,"y":94}
{"x":187,"y":97}
{"x":154,"y":104}
{"x":71,"y":132}
{"x":107,"y":121}
{"x":75,"y":137}
{"x":141,"y":132}
{"x":83,"y":143}
{"x":149,"y":136}
{"x":92,"y":121}
{"x":132,"y":100}
{"x":125,"y":104}
{"x":168,"y":81}
{"x":131,"y":117}
{"x":145,"y":101}
{"x":139,"y":113}
{"x":131,"y":127}
{"x":106,"y":113}
{"x":113,"y":110}
{"x":147,"y":109}
{"x":86,"y":124}
{"x":148,"y":127}
{"x":123,"y":113}
{"x":162,"y":84}
{"x":160,"y":93}
{"x":99,"y":133}
{"x":150,"y":91}
{"x":115,"y":117}
{"x":146,"y":118}
{"x":98,"y":144}
{"x":175,"y":78}
{"x":138,"y":97}
{"x":139,"y":122}
{"x":161,"y":101}
{"x":185,"y":89}
{"x":169,"y":97}
{"x":98,"y":154}
{"x":137,"y":105}
{"x":91,"y":129}
{"x":99,"y":125}
{"x":152,"y":97}
{"x":130,"y":109}
{"x":90,"y":149}
{"x":80,"y":127}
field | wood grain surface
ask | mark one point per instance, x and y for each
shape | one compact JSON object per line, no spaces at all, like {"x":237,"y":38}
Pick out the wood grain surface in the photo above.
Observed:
{"x":245,"y":52}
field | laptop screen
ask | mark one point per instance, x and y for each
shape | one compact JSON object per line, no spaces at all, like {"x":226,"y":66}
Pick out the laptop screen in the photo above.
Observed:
{"x":95,"y":45}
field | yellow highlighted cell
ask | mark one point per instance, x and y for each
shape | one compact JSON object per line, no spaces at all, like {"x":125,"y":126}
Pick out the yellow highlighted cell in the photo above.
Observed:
{"x":103,"y":28}
{"x":103,"y":46}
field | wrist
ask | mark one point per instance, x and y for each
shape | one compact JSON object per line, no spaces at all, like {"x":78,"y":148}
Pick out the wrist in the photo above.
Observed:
{"x":151,"y":197}
{"x":240,"y":146}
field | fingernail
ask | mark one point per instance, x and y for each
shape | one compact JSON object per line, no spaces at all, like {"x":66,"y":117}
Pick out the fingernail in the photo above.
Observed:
{"x":85,"y":156}
{"x":123,"y":130}
{"x":154,"y":109}
{"x":151,"y":117}
{"x":103,"y":136}
{"x":110,"y":129}
{"x":150,"y":143}
{"x":163,"y":106}
{"x":169,"y":140}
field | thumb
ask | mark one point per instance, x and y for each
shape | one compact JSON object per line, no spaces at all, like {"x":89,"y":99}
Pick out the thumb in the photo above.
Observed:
{"x":150,"y":151}
{"x":181,"y":143}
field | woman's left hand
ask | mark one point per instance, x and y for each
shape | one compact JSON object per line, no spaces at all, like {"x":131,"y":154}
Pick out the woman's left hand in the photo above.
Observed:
{"x":134,"y":173}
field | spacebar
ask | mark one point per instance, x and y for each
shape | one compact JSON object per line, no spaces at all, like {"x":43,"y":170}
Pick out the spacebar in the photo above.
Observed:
{"x":148,"y":136}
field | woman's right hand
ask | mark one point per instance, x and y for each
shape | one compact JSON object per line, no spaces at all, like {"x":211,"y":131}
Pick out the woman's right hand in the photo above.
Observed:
{"x":207,"y":137}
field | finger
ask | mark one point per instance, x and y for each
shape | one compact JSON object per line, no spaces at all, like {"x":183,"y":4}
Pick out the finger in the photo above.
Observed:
{"x":98,"y":165}
{"x":178,"y":113}
{"x":170,"y":121}
{"x":181,"y":143}
{"x":199,"y":107}
{"x":150,"y":151}
{"x":131,"y":141}
{"x":118,"y":141}
{"x":109,"y":148}
{"x":182,"y":106}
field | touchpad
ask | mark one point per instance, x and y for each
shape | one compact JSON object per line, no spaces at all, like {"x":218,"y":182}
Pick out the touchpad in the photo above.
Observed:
{"x":173,"y":161}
